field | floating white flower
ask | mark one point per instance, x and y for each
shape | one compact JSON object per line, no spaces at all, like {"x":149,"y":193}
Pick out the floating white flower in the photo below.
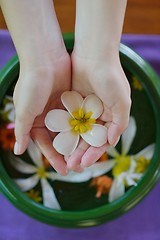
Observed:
{"x":8,"y":112}
{"x":40,"y":174}
{"x":78,"y":121}
{"x":127,"y":169}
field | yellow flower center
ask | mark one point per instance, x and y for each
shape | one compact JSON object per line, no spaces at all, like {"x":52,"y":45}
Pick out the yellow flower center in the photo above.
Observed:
{"x":122,"y":165}
{"x":42,"y":172}
{"x":34,"y":195}
{"x":82,"y":121}
{"x":141,"y":164}
{"x":137,"y":84}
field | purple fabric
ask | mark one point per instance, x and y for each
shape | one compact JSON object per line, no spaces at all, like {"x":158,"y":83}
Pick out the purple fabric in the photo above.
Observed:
{"x":147,"y":46}
{"x":141,"y":223}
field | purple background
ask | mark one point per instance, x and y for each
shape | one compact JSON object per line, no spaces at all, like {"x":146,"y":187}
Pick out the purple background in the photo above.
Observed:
{"x":141,"y":223}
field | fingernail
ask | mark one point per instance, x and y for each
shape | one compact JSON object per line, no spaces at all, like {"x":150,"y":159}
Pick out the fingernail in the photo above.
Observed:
{"x":16,"y":148}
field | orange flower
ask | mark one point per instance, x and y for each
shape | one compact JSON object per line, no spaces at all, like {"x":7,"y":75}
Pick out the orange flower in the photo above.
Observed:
{"x":46,"y":163}
{"x":102,"y":185}
{"x":104,"y":157}
{"x":7,"y":138}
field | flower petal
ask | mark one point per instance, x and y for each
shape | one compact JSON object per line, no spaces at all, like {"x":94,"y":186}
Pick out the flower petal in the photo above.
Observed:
{"x":26,"y":184}
{"x":22,"y":166}
{"x":117,"y":190}
{"x":147,"y":152}
{"x":93,"y":104}
{"x":101,"y":168}
{"x":131,"y":179}
{"x":97,"y":136}
{"x":49,"y":198}
{"x":128,"y":136}
{"x":111,"y":151}
{"x":72,"y":101}
{"x":57,"y":120}
{"x":72,"y":177}
{"x":66,"y":142}
{"x":95,"y":170}
{"x":35,"y":154}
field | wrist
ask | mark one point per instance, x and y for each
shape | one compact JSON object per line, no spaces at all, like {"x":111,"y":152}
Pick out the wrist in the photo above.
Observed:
{"x":108,"y":52}
{"x":89,"y":50}
{"x":42,"y":57}
{"x":98,"y":26}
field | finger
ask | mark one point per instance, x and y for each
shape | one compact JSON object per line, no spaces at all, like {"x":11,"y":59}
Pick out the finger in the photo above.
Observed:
{"x":92,"y":155}
{"x":114,"y":133}
{"x":120,"y":120}
{"x":23,"y":125}
{"x":74,"y":161}
{"x":43,"y":141}
{"x":106,"y":115}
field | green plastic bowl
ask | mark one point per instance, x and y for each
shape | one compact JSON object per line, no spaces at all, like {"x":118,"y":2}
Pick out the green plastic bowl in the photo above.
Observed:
{"x":80,"y":207}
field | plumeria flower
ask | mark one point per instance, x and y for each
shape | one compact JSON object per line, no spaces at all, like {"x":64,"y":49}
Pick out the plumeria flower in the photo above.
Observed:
{"x":8,"y":112}
{"x":38,"y":173}
{"x":78,"y":121}
{"x":127,"y":169}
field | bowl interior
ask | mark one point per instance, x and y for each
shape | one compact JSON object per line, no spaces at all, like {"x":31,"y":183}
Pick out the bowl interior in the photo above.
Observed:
{"x":76,"y":199}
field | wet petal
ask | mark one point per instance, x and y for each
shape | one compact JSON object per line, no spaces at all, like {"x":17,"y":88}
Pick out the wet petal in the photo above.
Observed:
{"x":35,"y":154}
{"x":11,"y":115}
{"x":8,"y":107}
{"x":72,"y":101}
{"x":66,"y":142}
{"x":26,"y":184}
{"x":97,"y":136}
{"x":94,"y":104}
{"x":101,"y":168}
{"x":112,"y":151}
{"x":75,"y":177}
{"x":117,"y":190}
{"x":147,"y":152}
{"x":95,"y":170}
{"x":132,"y":165}
{"x":131,"y":179}
{"x":57,"y":120}
{"x":22,"y":166}
{"x":49,"y":198}
{"x":128,"y":136}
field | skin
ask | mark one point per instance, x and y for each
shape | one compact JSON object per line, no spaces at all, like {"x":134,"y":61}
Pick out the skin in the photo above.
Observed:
{"x":97,"y":69}
{"x":45,"y":72}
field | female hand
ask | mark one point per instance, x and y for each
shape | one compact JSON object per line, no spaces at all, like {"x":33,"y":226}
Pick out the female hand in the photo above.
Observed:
{"x":106,"y":79}
{"x":38,"y":90}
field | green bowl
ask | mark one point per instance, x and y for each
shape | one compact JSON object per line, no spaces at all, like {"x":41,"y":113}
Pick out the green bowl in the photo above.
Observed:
{"x":80,"y":207}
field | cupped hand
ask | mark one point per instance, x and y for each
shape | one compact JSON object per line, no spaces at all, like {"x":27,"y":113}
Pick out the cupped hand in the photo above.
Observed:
{"x":37,"y":91}
{"x":105,"y":78}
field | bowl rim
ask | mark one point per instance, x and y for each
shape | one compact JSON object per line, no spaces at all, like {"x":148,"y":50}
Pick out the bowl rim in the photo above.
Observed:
{"x":62,"y":218}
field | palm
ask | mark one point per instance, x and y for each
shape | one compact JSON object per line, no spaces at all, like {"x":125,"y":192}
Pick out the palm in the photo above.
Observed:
{"x":56,"y":83}
{"x":108,"y":82}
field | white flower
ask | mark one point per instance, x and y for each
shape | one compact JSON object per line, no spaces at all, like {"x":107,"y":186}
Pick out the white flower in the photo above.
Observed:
{"x":8,"y":111}
{"x":78,"y":122}
{"x":127,"y":178}
{"x":41,"y":174}
{"x":125,"y":166}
